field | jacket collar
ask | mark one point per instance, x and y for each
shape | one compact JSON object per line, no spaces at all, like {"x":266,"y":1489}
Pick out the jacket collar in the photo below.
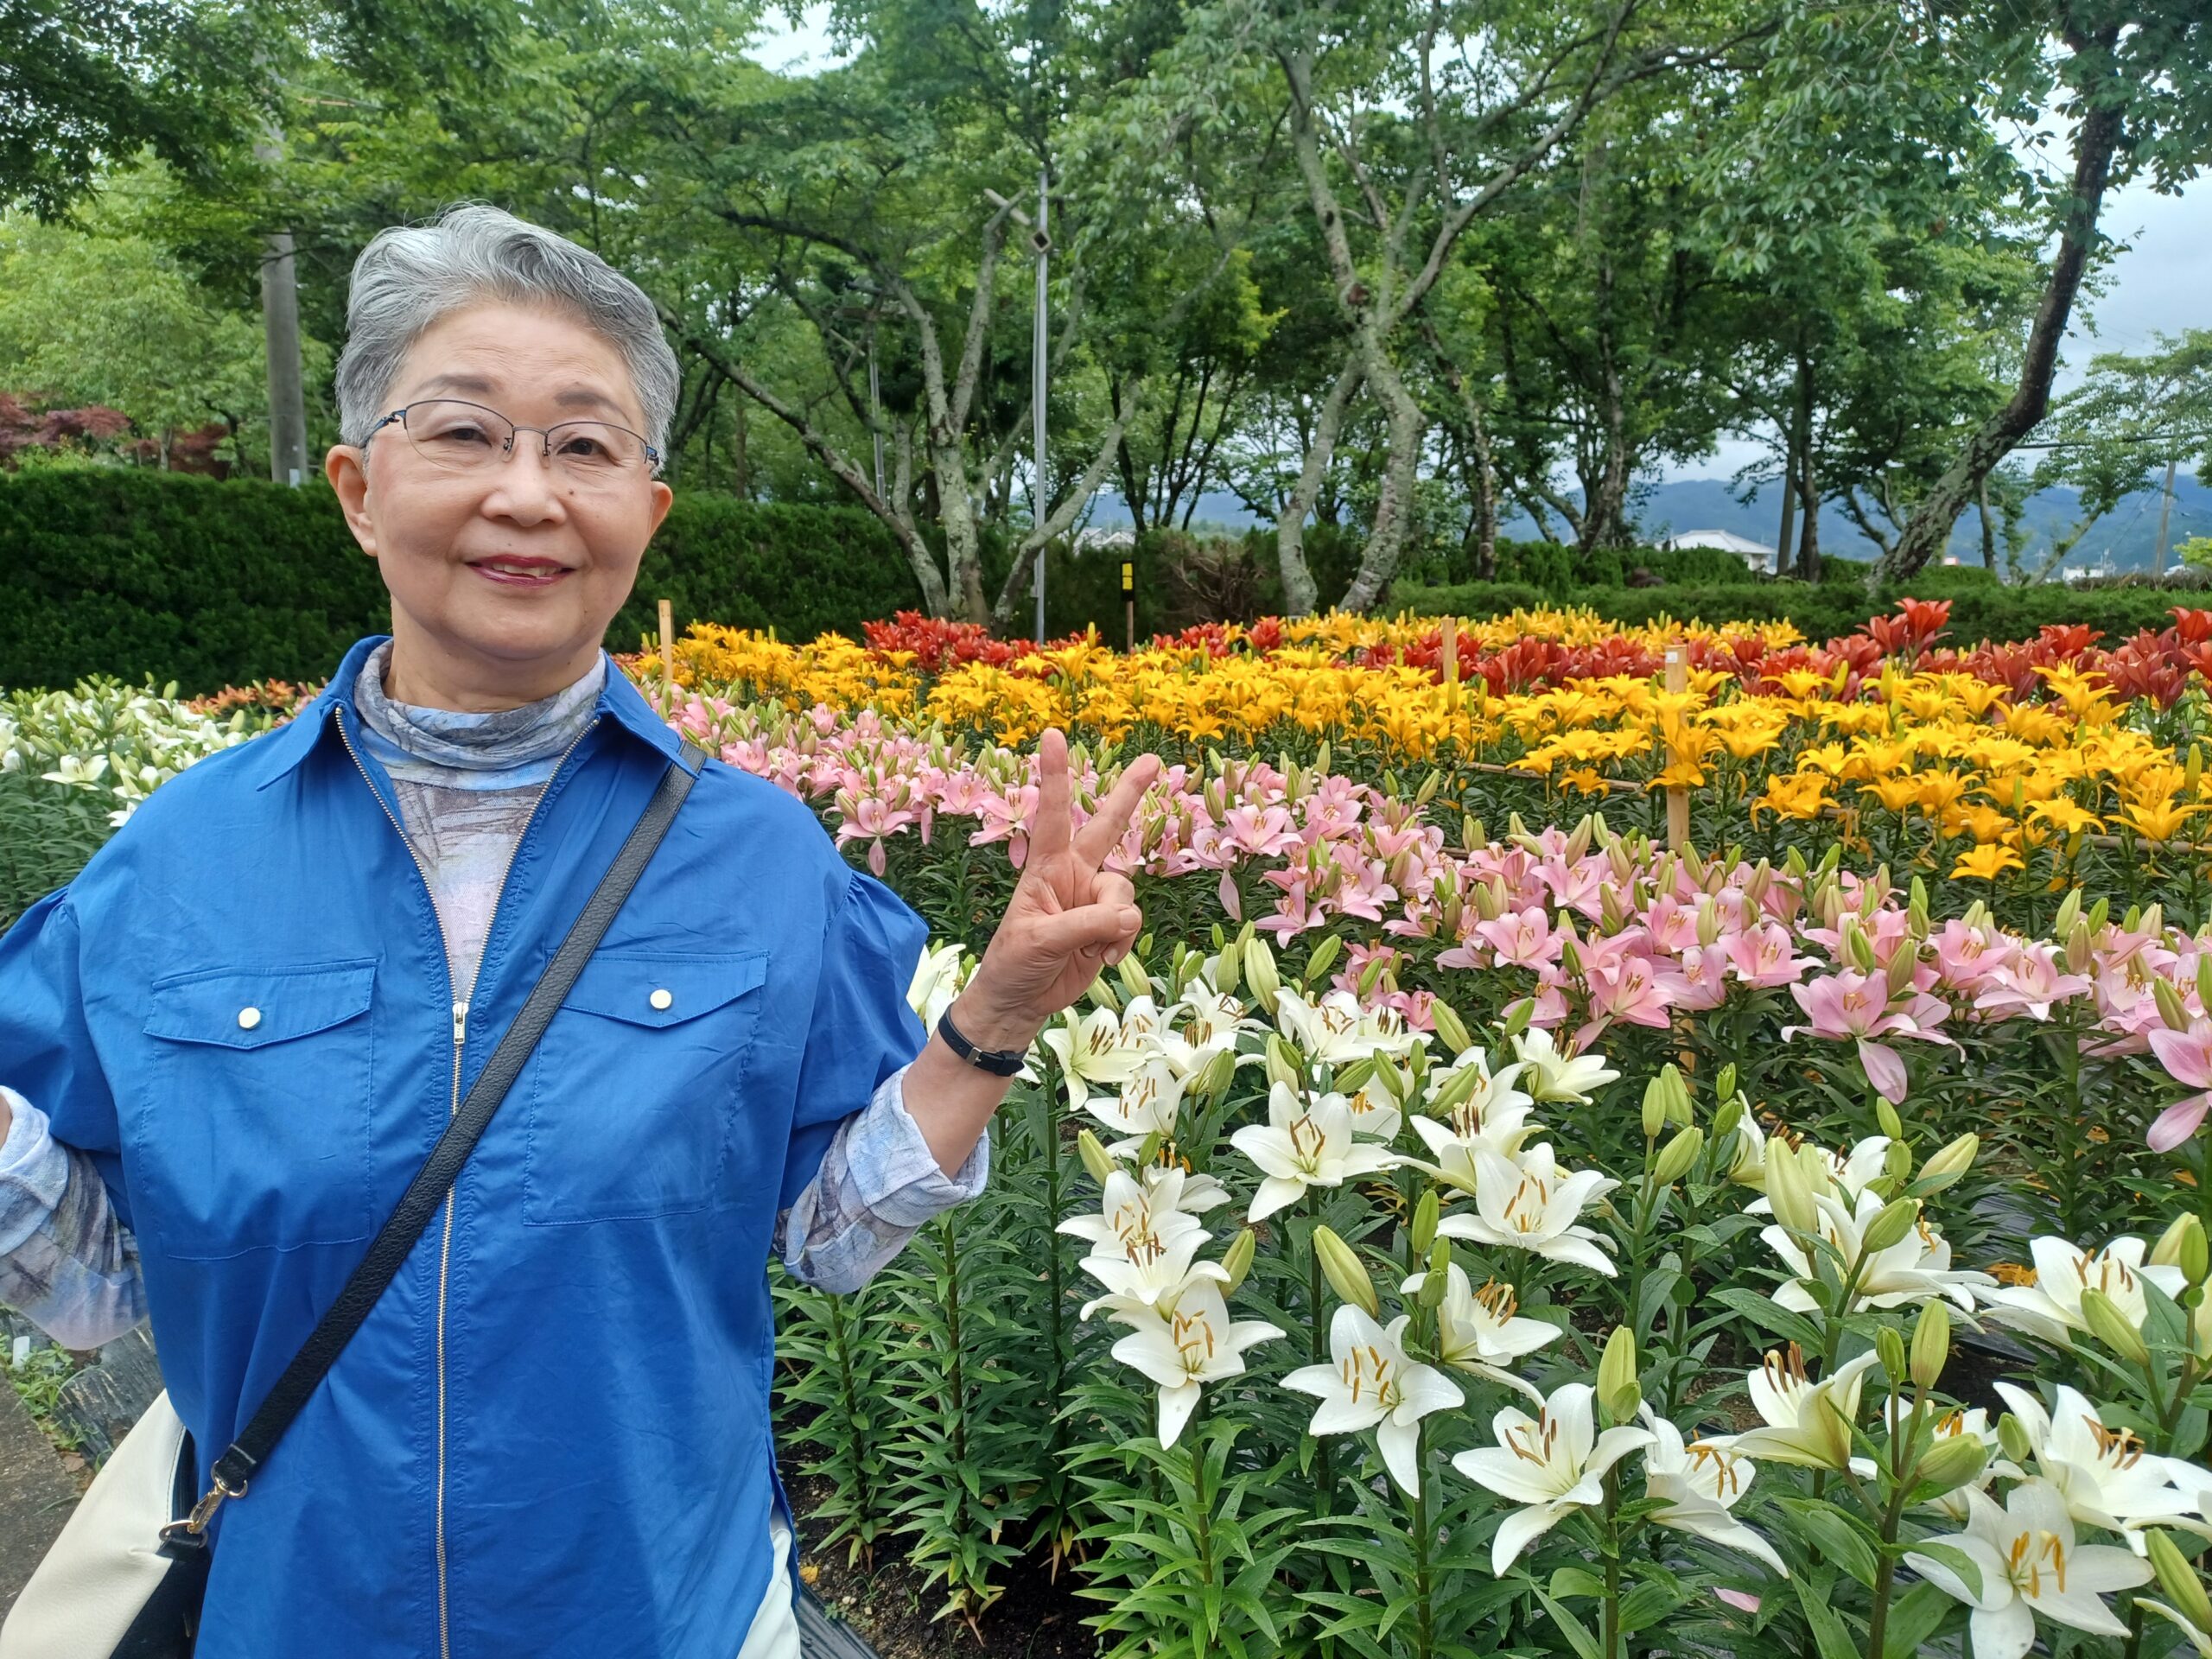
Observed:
{"x":619,"y":701}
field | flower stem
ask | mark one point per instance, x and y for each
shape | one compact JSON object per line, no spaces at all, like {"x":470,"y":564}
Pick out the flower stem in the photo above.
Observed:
{"x":1425,"y":1630}
{"x":1612,"y":1563}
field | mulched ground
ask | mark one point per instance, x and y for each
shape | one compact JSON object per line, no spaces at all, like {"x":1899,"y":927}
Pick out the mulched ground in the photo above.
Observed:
{"x":1035,"y":1620}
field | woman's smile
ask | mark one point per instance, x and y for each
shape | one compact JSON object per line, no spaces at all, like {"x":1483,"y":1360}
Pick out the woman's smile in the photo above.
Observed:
{"x":520,"y":570}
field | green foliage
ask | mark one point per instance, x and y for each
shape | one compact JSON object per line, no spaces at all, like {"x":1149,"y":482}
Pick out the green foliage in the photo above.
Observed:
{"x":120,"y":570}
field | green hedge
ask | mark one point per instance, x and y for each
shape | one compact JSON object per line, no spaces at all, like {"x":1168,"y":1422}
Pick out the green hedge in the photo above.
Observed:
{"x":1981,"y":607}
{"x":129,"y":572}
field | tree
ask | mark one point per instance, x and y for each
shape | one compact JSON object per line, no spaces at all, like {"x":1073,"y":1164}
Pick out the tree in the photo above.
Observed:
{"x":2128,"y":76}
{"x":83,"y":86}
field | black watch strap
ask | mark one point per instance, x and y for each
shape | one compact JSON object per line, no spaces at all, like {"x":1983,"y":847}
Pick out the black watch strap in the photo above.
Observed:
{"x":999,"y":1062}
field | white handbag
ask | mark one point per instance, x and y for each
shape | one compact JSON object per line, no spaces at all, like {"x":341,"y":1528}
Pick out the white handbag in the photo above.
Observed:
{"x":125,"y":1578}
{"x":106,"y":1586}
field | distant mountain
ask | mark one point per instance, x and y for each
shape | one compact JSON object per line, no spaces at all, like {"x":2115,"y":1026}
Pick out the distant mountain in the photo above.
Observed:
{"x":1686,"y":504}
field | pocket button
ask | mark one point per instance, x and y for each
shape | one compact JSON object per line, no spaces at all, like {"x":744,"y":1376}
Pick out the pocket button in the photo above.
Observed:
{"x":662,"y":999}
{"x":249,"y":1018}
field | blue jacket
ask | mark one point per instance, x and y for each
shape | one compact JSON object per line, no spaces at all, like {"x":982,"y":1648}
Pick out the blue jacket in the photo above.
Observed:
{"x":551,"y":1437}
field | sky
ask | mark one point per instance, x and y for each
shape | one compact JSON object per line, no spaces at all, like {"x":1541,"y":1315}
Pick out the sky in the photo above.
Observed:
{"x":2157,"y":284}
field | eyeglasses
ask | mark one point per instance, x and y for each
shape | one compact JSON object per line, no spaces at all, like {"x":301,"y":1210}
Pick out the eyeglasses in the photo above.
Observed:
{"x":462,"y":437}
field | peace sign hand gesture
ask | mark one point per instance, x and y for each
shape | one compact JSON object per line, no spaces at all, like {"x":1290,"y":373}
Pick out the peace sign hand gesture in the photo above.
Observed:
{"x":1068,"y":916}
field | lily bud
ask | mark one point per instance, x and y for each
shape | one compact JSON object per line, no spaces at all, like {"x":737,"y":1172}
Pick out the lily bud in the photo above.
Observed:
{"x":1917,"y":909}
{"x":1655,"y":1108}
{"x":1425,"y":1219}
{"x":1724,"y":1085}
{"x":2081,"y":947}
{"x":1323,"y":957}
{"x":1950,"y":1163}
{"x":1094,"y":1156}
{"x":2100,"y":913}
{"x":2177,"y":1578}
{"x":1570,"y":955}
{"x":1219,"y":1075}
{"x":1517,"y":1017}
{"x":1610,"y":914}
{"x":1896,"y":1219}
{"x":1789,"y":1189}
{"x":1376,"y":966}
{"x":1236,"y":1261}
{"x":1709,"y":920}
{"x":1858,"y":949}
{"x":2068,"y":908}
{"x":1954,"y":1461}
{"x":2172,"y":1009}
{"x":1488,"y":904}
{"x":2012,"y":1438}
{"x":1888,"y":1347}
{"x":2204,"y":980}
{"x":1730,"y":1116}
{"x":1585,"y":833}
{"x":1436,"y":1286}
{"x":1903,"y":966}
{"x":1618,"y":1391}
{"x":2182,"y":1245}
{"x":1449,"y":1027}
{"x":2110,"y":1326}
{"x":1225,"y":968}
{"x":1886,"y":1115}
{"x":1102,"y":995}
{"x":1341,"y":1267}
{"x":1676,"y":1159}
{"x":1459,"y":1087}
{"x":1260,"y":973}
{"x":1931,"y":1342}
{"x":1131,"y":971}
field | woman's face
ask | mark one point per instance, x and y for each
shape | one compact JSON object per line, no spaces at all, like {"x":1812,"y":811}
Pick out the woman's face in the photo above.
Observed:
{"x":504,"y":573}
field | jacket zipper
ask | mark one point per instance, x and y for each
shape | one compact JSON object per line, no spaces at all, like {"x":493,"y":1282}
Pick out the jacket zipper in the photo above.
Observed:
{"x":452,"y":1104}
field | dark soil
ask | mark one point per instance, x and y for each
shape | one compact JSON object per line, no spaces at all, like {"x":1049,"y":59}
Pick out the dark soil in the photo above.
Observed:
{"x":1035,"y":1619}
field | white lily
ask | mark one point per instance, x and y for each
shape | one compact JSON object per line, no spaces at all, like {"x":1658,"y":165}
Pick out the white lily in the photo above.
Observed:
{"x":2051,"y":1306}
{"x":1557,"y":1076}
{"x":1207,"y":1020}
{"x":1528,"y":1204}
{"x":1550,"y":1464}
{"x":1370,"y":1383}
{"x":1337,"y":1030}
{"x":1133,"y":1207}
{"x":1806,"y":1423}
{"x":1101,"y":1046}
{"x":1914,"y":1270}
{"x":1303,"y":1143}
{"x":1147,"y":1103}
{"x":1495,"y":1097}
{"x":2105,"y":1475}
{"x":1195,"y":1343}
{"x":1144,"y":1271}
{"x":1699,"y":1484}
{"x":2031,"y":1567}
{"x":938,"y":980}
{"x":1192,"y":1193}
{"x":1375,"y":1114}
{"x":1480,"y":1332}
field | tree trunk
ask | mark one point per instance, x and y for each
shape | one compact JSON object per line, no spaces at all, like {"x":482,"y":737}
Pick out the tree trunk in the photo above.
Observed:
{"x":1989,"y":530}
{"x":1605,"y":509}
{"x":280,"y":317}
{"x":1793,"y":435}
{"x":1394,"y":506}
{"x":1808,"y":537}
{"x":2096,"y":138}
{"x":740,"y":459}
{"x":1299,"y":591}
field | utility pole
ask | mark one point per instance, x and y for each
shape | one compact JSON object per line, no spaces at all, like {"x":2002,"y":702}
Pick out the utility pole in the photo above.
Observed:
{"x":2165,"y":515}
{"x":280,"y":322}
{"x":1037,"y":350}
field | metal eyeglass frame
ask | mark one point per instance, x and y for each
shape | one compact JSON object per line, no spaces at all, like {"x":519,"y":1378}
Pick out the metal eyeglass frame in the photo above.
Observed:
{"x":544,"y":433}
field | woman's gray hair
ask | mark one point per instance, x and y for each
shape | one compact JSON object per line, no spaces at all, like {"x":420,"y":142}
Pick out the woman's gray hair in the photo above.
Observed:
{"x":412,"y":275}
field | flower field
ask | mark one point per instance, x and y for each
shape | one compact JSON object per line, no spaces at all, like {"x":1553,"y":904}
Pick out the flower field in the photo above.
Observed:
{"x":1472,"y":1225}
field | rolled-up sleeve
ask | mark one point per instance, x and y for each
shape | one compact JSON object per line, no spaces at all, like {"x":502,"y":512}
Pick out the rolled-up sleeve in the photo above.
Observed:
{"x":879,"y":1185}
{"x":71,"y":1266}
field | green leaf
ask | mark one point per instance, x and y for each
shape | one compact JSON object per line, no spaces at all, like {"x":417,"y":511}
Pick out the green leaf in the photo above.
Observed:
{"x":1834,"y":1536}
{"x":1830,"y":1634}
{"x":1576,"y":1632}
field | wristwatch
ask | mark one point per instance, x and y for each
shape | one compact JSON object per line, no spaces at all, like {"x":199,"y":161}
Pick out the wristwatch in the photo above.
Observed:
{"x":999,"y":1062}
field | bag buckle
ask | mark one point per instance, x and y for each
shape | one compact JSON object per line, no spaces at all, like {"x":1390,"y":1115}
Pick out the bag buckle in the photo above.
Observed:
{"x":192,"y":1529}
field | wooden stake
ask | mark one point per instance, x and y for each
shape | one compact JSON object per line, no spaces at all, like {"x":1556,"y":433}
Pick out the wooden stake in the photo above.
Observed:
{"x":668,"y":646}
{"x":1452,"y":661}
{"x":1678,"y":799}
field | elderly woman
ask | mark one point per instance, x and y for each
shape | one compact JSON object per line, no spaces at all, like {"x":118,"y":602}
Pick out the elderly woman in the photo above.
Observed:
{"x":233,"y":1039}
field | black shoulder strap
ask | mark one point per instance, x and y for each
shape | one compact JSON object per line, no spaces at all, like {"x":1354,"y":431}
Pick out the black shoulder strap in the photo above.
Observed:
{"x":388,"y":1251}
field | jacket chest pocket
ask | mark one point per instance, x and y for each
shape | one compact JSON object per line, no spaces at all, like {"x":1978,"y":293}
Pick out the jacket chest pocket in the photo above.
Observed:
{"x":256,"y":1134}
{"x":633,"y":1086}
